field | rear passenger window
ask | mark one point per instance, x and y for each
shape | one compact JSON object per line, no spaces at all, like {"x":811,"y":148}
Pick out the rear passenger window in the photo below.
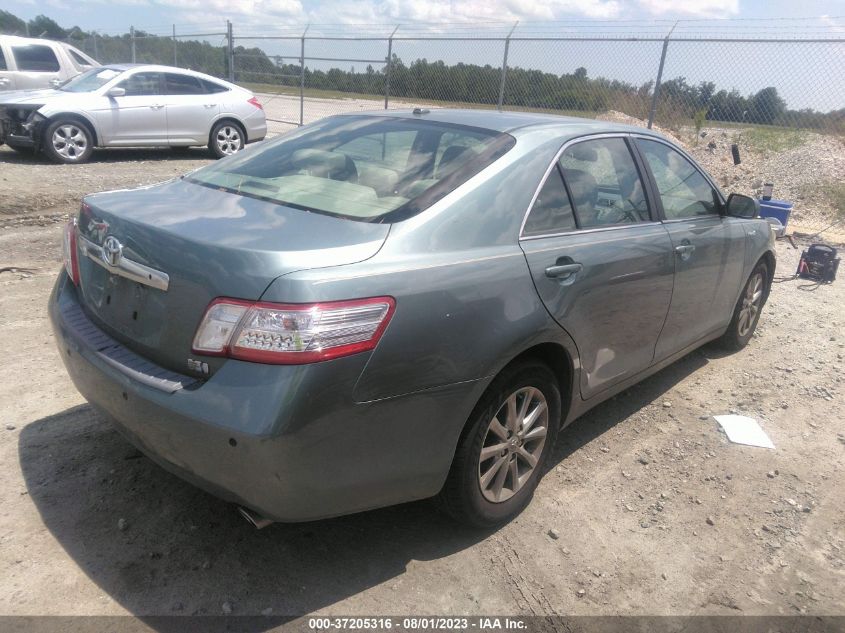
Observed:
{"x":78,"y":59}
{"x":552,"y":212}
{"x":182,"y":84}
{"x":212,"y":87}
{"x":604,"y":182}
{"x":35,"y":58}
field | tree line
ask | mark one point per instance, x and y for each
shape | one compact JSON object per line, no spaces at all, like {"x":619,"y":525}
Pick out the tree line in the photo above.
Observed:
{"x":679,"y":102}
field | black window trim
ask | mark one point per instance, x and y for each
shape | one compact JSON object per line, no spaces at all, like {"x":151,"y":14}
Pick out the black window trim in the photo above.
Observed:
{"x":653,"y":183}
{"x":644,"y":177}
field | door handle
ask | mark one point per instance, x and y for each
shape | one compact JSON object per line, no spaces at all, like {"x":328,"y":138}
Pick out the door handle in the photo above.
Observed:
{"x":685,"y":250}
{"x":157,"y":106}
{"x":209,"y":105}
{"x":563,"y":271}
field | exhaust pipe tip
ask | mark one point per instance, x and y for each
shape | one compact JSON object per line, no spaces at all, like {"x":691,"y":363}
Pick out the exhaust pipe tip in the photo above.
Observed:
{"x":255,"y":519}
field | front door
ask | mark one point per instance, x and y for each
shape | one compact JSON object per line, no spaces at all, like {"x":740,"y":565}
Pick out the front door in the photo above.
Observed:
{"x":136,"y":118}
{"x":601,"y":264}
{"x":709,"y":249}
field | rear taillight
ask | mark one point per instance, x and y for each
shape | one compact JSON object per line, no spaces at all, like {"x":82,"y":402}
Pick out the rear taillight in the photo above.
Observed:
{"x":69,"y":252}
{"x":254,"y":101}
{"x":290,"y":334}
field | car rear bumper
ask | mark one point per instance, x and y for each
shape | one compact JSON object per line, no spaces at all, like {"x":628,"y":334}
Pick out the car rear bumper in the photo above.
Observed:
{"x":282,"y":440}
{"x":256,"y":126}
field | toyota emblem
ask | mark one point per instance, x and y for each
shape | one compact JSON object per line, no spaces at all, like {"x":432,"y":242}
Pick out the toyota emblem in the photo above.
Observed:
{"x":112,"y":251}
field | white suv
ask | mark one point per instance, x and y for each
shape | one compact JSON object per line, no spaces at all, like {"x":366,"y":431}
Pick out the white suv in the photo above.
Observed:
{"x":31,"y":64}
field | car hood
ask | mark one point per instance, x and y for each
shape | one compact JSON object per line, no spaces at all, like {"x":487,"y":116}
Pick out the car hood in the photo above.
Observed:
{"x":30,"y":97}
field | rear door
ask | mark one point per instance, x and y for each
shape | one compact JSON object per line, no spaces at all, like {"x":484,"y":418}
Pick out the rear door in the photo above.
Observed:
{"x":36,"y":66}
{"x":136,"y":118}
{"x":190,"y":110}
{"x":600,"y":262}
{"x":7,"y":77}
{"x":709,"y":249}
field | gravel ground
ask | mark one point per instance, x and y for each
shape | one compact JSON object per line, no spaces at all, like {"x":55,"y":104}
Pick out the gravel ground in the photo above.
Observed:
{"x":646,"y":508}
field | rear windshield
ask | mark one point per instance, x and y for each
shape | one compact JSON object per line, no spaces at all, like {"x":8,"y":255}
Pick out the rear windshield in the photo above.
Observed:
{"x":366,"y":168}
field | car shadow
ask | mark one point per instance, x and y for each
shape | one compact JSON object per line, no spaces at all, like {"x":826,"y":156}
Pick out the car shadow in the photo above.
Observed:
{"x":158,"y":546}
{"x":114,"y":155}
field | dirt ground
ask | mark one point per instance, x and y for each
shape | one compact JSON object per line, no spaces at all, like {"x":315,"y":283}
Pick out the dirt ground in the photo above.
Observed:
{"x":646,"y":509}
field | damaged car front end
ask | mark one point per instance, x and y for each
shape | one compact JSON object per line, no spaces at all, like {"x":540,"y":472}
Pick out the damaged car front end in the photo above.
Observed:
{"x":20,"y":125}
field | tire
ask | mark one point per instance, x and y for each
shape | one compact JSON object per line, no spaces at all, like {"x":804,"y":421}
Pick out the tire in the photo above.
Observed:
{"x":226,"y":138}
{"x":476,"y":492}
{"x":747,"y":311}
{"x":68,"y":141}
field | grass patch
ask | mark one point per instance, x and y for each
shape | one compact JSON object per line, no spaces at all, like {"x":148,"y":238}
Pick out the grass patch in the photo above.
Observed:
{"x":835,"y":194}
{"x":774,"y":139}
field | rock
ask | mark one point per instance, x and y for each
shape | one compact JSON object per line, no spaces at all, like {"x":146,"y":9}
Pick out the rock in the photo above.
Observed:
{"x":226,"y":608}
{"x":711,"y":521}
{"x":664,"y":576}
{"x":791,"y":502}
{"x":644,"y":524}
{"x":643,"y":460}
{"x":10,"y":427}
{"x":553,"y":534}
{"x":666,"y":404}
{"x":771,"y":474}
{"x":122,"y":524}
{"x":581,"y":593}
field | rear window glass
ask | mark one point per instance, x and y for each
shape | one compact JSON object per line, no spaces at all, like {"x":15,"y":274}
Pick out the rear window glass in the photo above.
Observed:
{"x":182,"y":84}
{"x":35,"y":58}
{"x":212,"y":87}
{"x":78,"y":59}
{"x":366,"y":168}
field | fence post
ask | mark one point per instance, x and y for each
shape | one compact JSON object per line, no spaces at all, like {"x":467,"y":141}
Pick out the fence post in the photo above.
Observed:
{"x":132,"y":41}
{"x":656,"y":92}
{"x":175,"y":54}
{"x":230,"y":49}
{"x":96,"y":52}
{"x":302,"y":76}
{"x":505,"y":68}
{"x":389,"y":66}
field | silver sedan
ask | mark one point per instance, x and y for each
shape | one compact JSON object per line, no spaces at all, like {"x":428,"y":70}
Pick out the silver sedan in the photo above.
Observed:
{"x":128,"y":105}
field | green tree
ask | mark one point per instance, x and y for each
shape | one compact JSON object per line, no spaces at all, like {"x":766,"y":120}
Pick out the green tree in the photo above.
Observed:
{"x":11,"y":24}
{"x":42,"y":26}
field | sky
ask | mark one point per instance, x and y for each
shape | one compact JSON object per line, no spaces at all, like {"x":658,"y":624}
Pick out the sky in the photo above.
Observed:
{"x":115,"y":15}
{"x":806,"y":75}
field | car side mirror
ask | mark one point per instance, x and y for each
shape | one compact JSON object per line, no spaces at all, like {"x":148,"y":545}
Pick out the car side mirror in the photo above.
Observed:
{"x":116,"y":92}
{"x":740,"y":206}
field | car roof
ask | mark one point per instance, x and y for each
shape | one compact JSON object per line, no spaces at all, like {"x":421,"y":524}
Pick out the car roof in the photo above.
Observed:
{"x":161,"y":69}
{"x":509,"y":121}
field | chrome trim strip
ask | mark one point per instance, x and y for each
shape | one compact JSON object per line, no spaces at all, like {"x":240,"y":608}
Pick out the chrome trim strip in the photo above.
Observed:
{"x":597,"y":229}
{"x":565,"y":146}
{"x":125,"y":267}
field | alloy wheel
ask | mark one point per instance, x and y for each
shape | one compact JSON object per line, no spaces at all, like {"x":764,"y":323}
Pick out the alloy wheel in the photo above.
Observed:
{"x":70,"y":142}
{"x":751,"y":302}
{"x":229,"y":139}
{"x":513,"y":444}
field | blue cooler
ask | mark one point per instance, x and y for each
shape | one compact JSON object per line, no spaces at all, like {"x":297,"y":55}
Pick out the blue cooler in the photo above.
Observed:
{"x":780,"y":209}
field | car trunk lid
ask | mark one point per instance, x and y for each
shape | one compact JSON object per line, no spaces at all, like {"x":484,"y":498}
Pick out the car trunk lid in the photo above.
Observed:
{"x":207,"y":243}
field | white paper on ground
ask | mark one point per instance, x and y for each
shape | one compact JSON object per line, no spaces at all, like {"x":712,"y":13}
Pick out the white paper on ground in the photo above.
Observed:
{"x":742,"y":430}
